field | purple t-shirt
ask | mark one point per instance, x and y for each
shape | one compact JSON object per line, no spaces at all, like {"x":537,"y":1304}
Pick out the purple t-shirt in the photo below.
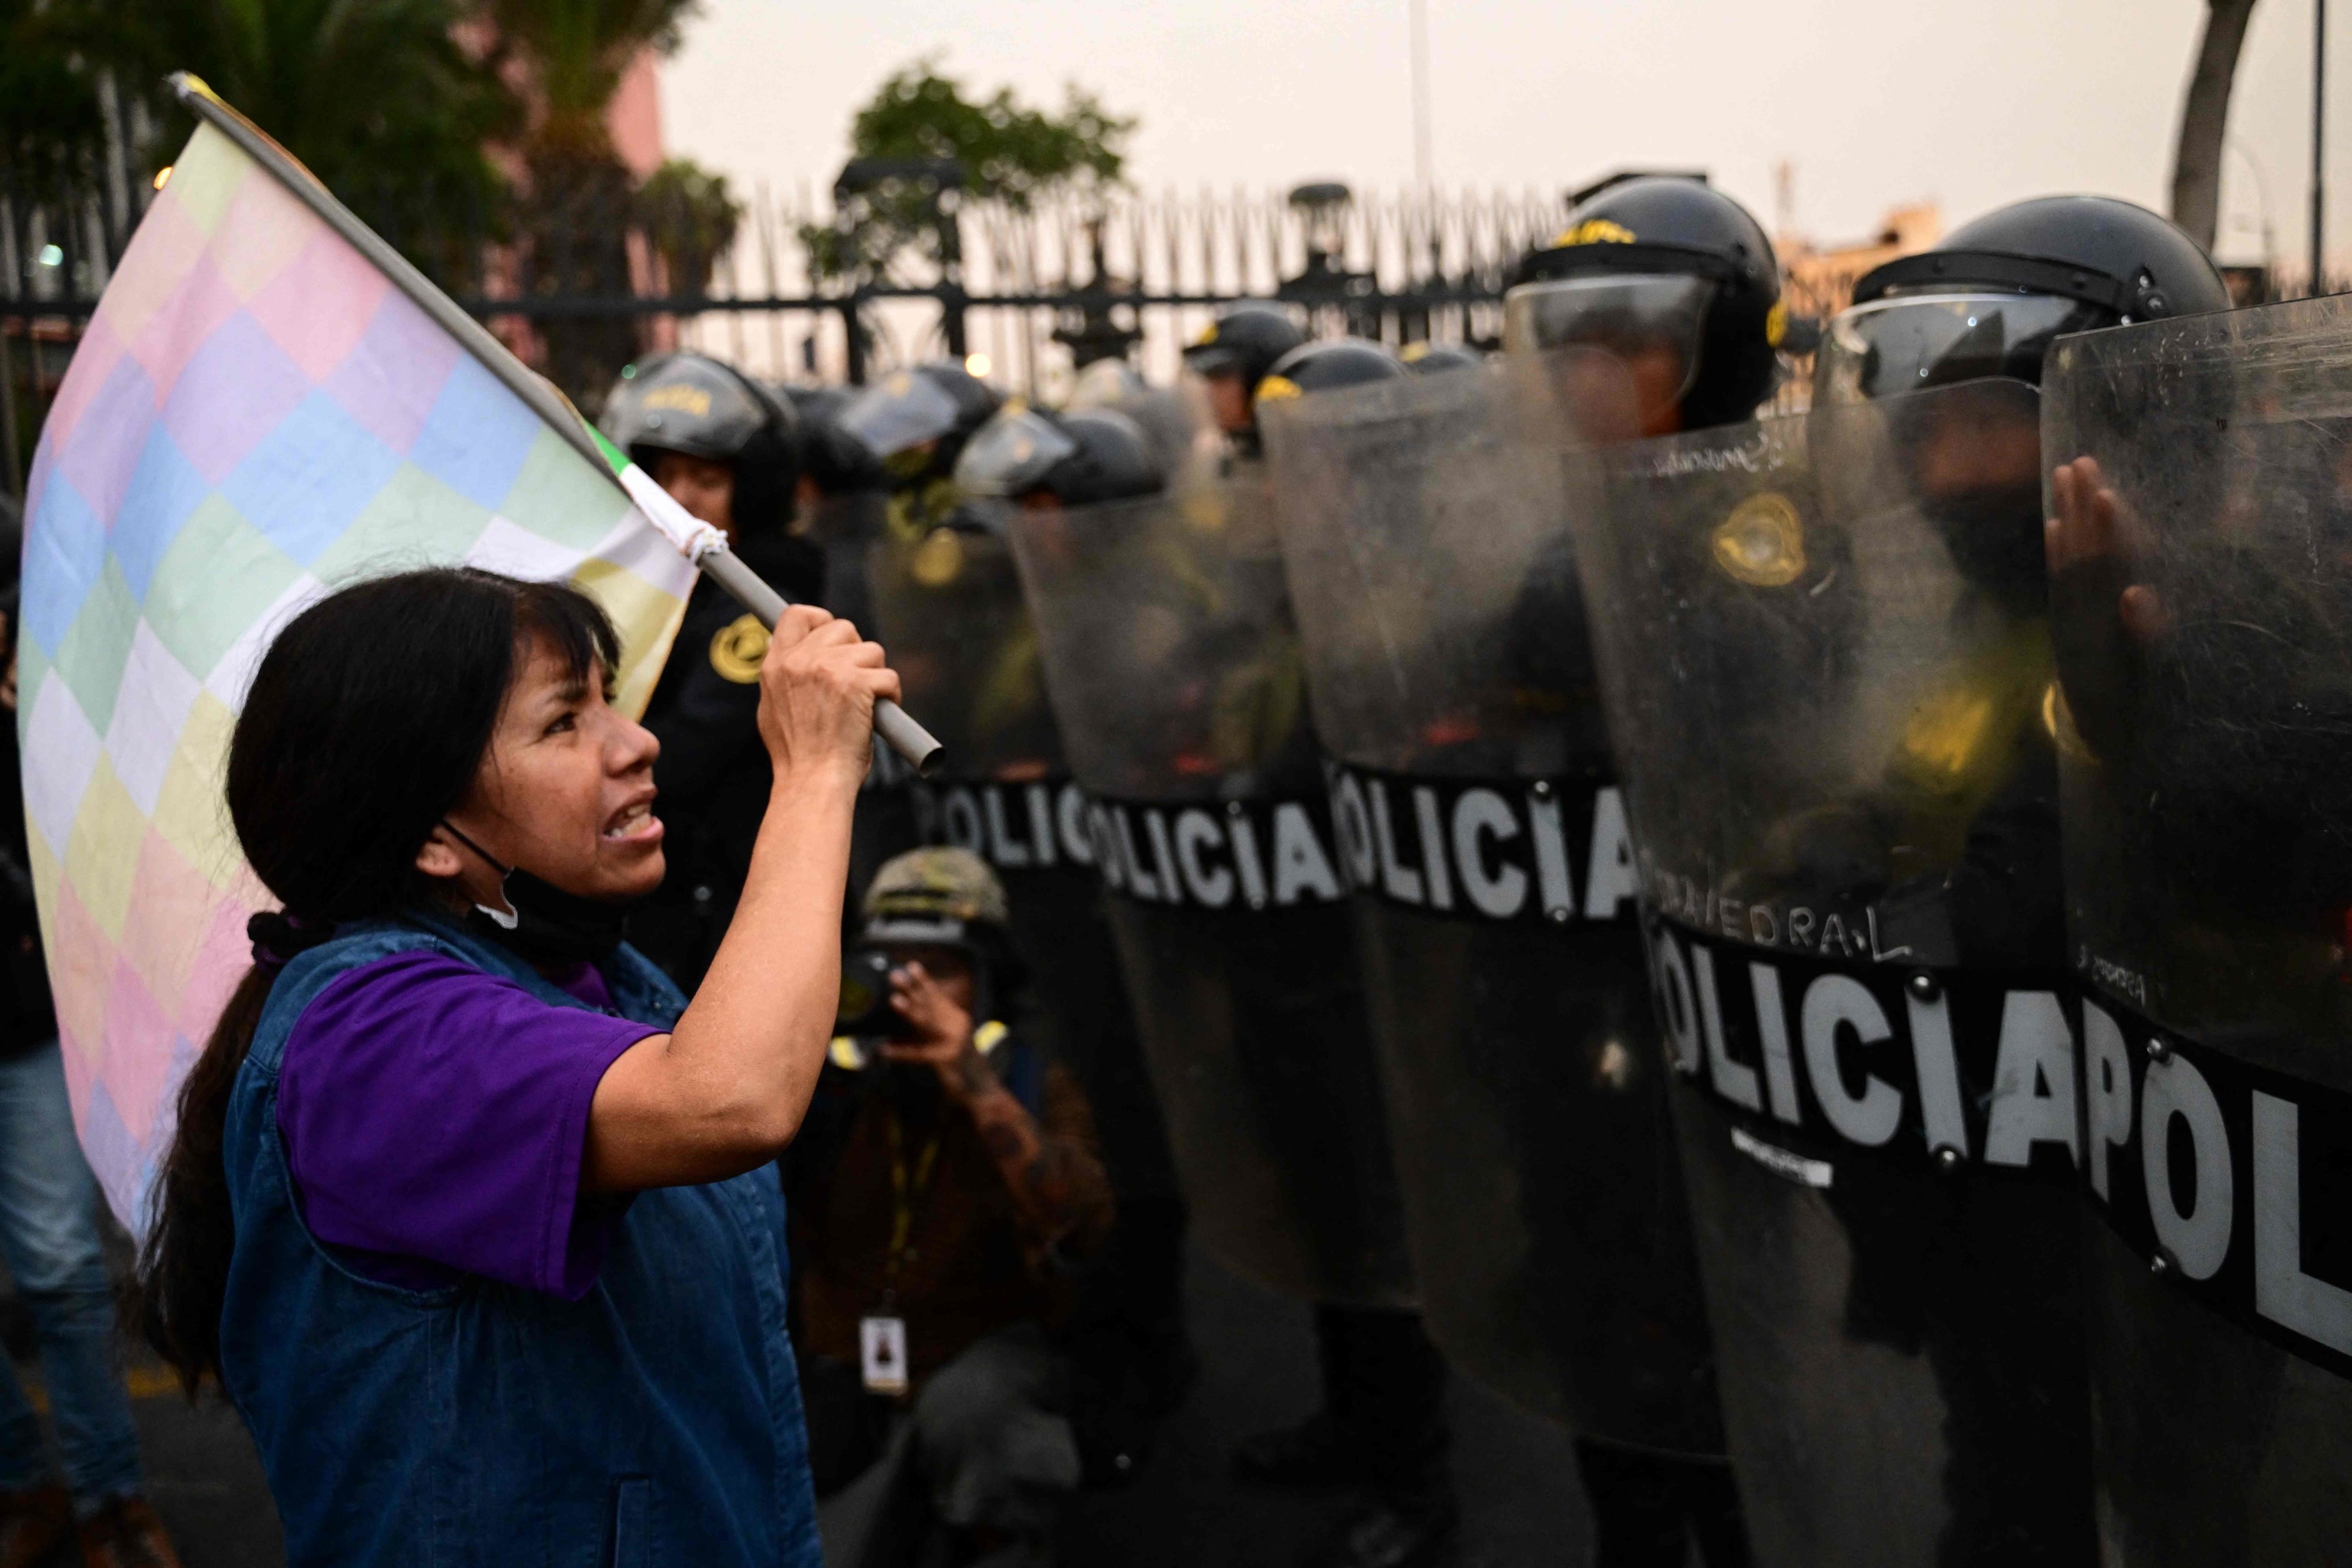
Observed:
{"x":435,"y":1117}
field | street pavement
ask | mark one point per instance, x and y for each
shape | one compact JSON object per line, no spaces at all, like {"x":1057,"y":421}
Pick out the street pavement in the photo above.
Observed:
{"x":1516,"y":1472}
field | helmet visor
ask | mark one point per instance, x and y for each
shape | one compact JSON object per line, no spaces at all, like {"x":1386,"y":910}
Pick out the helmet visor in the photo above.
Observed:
{"x":1011,"y":453}
{"x":1652,"y":322}
{"x":906,"y":410}
{"x":1914,"y":342}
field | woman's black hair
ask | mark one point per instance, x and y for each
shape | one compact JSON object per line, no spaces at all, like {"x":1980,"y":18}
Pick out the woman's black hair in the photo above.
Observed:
{"x":367,"y":722}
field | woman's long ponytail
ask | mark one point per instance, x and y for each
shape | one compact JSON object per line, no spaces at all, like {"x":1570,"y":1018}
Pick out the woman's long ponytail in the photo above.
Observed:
{"x":367,"y":720}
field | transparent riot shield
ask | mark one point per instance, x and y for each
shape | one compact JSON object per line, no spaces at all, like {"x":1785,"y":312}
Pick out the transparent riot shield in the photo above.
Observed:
{"x":1173,"y":666}
{"x":1482,"y":832}
{"x":949,"y":610}
{"x":1825,"y":654}
{"x":846,"y":528}
{"x":2202,"y":612}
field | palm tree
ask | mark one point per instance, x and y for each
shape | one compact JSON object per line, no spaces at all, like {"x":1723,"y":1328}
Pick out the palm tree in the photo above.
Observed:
{"x":574,"y":216}
{"x":2205,"y":121}
{"x":380,"y":98}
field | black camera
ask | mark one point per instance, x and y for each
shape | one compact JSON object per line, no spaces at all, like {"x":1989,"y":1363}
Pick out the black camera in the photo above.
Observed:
{"x":865,"y":1010}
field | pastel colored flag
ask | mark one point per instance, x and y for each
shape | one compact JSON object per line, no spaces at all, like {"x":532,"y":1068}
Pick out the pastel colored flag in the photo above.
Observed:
{"x":257,"y":415}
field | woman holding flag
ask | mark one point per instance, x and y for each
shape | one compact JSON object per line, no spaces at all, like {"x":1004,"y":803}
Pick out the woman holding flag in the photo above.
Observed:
{"x":468,"y":1209}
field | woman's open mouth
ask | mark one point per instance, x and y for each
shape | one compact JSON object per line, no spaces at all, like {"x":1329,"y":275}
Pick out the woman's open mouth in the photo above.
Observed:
{"x":633,"y":823}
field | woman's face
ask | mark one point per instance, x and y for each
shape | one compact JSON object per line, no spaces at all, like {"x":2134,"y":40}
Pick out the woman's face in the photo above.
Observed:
{"x":566,"y":793}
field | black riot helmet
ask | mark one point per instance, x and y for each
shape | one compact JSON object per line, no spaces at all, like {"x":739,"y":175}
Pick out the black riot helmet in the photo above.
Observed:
{"x":836,"y":462}
{"x":1076,"y":460}
{"x":1674,"y":279}
{"x":1436,"y":358}
{"x":1327,"y":367}
{"x":701,"y":407}
{"x":1244,"y":342}
{"x":1992,"y":297}
{"x":915,"y":421}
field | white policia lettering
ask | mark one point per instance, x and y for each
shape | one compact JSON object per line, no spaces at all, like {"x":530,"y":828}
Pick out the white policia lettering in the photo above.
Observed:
{"x":1832,"y":1049}
{"x":1211,"y":857}
{"x":2282,"y":1292}
{"x":1501,"y":853}
{"x":1826,"y":1054}
{"x":1013,"y":828}
{"x":2202,"y":1237}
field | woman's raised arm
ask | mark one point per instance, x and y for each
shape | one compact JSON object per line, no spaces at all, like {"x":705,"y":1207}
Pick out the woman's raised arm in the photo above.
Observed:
{"x":725,"y":1091}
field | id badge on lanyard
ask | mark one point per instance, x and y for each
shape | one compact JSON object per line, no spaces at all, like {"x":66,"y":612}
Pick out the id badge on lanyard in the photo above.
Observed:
{"x":882,"y":1353}
{"x":882,"y":1335}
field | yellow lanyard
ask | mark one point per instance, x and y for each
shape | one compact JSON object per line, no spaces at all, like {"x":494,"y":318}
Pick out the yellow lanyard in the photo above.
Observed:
{"x":903,"y":1191}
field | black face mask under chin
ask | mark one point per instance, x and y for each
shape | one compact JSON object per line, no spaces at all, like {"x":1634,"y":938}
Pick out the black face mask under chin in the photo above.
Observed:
{"x":1994,"y":534}
{"x":544,"y":924}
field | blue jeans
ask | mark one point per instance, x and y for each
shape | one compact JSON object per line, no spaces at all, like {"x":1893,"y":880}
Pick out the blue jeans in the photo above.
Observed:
{"x":50,"y":1237}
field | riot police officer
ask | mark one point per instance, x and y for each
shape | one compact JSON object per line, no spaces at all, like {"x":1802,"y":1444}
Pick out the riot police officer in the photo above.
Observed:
{"x":1979,"y":315}
{"x":843,"y":496}
{"x":1232,"y":357}
{"x":2198,"y":601}
{"x":1381,"y":1420}
{"x":1037,"y":457}
{"x":1982,"y":308}
{"x":915,"y":423}
{"x":835,"y":463}
{"x":1658,"y":306}
{"x":1677,"y":287}
{"x":1876,"y":836}
{"x":957,"y":618}
{"x":726,"y":448}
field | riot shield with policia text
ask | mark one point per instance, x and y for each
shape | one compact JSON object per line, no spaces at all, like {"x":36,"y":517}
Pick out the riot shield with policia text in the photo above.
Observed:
{"x":949,"y":609}
{"x":1173,"y":668}
{"x":2201,"y":593}
{"x":846,"y":527}
{"x":1825,"y":649}
{"x":1481,"y":830}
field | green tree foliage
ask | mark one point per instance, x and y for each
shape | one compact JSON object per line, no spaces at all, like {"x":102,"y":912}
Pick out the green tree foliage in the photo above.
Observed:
{"x":448,"y":125}
{"x":49,"y":98}
{"x":691,"y":218}
{"x":1010,"y":153}
{"x":575,"y":53}
{"x":579,"y":200}
{"x":378,"y":97}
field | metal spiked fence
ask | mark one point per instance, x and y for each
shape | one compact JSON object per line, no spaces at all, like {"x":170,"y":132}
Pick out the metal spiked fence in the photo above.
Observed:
{"x":580,"y":279}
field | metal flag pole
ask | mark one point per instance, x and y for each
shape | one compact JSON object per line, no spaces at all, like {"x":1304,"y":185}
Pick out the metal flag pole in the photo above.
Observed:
{"x":699,"y":541}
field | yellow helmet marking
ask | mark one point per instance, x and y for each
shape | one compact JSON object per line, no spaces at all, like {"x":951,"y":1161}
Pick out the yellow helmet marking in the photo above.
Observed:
{"x":1277,"y":389}
{"x":737,"y":652}
{"x":938,"y":561}
{"x":1594,"y":231}
{"x":1762,"y":542}
{"x":691,"y":400}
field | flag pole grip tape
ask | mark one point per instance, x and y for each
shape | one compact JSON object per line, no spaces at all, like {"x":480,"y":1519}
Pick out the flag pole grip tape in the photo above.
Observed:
{"x":893,"y":723}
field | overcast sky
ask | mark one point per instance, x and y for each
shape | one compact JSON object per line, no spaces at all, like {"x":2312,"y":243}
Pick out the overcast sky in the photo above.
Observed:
{"x":1967,"y":102}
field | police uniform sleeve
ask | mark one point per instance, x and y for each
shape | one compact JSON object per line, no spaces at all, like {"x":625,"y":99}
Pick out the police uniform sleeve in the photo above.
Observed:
{"x":712,"y":714}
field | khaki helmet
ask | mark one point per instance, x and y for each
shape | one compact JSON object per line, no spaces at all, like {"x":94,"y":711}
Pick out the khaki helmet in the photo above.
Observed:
{"x":934,"y":896}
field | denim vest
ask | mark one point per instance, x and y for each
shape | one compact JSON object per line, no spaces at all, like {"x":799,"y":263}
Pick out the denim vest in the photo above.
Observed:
{"x":655,"y":1421}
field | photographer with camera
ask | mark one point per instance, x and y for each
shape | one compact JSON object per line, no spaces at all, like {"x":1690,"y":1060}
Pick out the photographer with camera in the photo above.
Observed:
{"x":945,"y":1188}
